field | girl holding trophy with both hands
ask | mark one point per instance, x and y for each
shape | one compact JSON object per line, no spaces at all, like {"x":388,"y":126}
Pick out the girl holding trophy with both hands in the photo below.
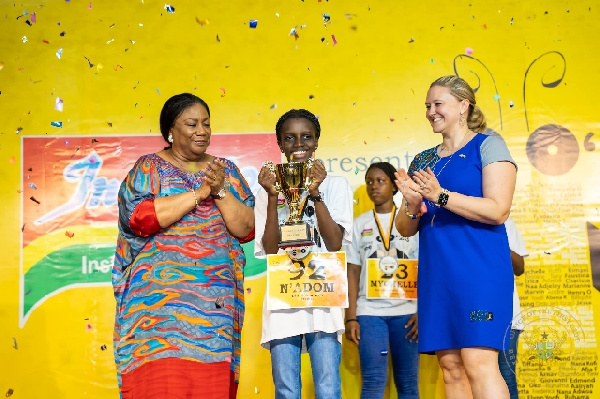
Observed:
{"x":327,"y":210}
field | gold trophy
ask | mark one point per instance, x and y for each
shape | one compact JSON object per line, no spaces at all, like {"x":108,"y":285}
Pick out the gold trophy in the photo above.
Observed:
{"x":292,"y":180}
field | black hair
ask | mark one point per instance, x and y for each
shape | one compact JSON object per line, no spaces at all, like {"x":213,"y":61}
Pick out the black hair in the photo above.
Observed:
{"x":386,"y":168}
{"x":173,"y":107}
{"x":297,"y":114}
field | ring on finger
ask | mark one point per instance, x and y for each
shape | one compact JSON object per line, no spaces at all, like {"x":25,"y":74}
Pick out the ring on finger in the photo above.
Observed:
{"x":422,"y":186}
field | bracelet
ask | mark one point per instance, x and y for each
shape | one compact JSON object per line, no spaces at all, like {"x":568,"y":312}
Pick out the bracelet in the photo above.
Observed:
{"x":195,"y":198}
{"x":349,"y":320}
{"x":410,"y":215}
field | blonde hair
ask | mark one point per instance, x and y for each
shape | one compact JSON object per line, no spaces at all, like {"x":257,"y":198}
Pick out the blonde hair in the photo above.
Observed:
{"x":462,"y":91}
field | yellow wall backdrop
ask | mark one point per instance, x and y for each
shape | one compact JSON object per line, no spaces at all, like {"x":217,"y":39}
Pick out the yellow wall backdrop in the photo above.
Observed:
{"x":364,"y":68}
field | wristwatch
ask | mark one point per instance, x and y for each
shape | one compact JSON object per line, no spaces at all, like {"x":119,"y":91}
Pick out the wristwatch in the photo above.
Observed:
{"x":315,"y":198}
{"x":221,"y":193}
{"x":443,"y":198}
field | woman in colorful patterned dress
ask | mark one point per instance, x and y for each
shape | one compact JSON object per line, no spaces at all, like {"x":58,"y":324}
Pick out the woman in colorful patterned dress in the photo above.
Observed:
{"x":457,"y":195}
{"x":177,"y":277}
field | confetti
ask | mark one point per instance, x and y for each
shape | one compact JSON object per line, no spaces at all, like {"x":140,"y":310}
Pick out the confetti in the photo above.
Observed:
{"x":202,"y":22}
{"x":58,"y":104}
{"x":94,"y":141}
{"x":392,"y":119}
{"x":103,"y":347}
{"x":24,"y":39}
{"x":56,"y":123}
{"x":33,"y":18}
{"x":273,"y":106}
{"x":157,"y":91}
{"x":253,"y":23}
{"x":69,"y":234}
{"x":109,"y":124}
{"x":32,"y":185}
{"x":223,"y":91}
{"x":468,"y":51}
{"x":412,"y":40}
{"x":496,"y":97}
{"x":9,"y":393}
{"x":89,"y":62}
{"x":256,"y":390}
{"x":63,"y":33}
{"x":15,"y":343}
{"x":19,"y":130}
{"x":383,"y":353}
{"x":219,"y":302}
{"x":90,"y":6}
{"x":548,"y":252}
{"x":218,"y":40}
{"x":356,"y":170}
{"x":311,"y":96}
{"x":34,"y":200}
{"x":326,"y":19}
{"x":249,"y":290}
{"x":59,"y":53}
{"x":170,"y":9}
{"x":333,"y":40}
{"x":88,"y":327}
{"x":511,"y":104}
{"x":1,"y":65}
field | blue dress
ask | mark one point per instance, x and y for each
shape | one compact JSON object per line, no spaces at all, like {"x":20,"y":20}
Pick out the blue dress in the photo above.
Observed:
{"x":465,"y":272}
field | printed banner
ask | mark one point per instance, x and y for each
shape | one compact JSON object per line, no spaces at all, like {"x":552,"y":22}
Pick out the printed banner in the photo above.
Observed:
{"x":317,"y":280}
{"x":69,"y":237}
{"x":392,"y":278}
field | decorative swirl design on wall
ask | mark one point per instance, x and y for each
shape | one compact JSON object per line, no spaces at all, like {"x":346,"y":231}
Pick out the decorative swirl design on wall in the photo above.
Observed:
{"x":475,"y":89}
{"x":549,"y":85}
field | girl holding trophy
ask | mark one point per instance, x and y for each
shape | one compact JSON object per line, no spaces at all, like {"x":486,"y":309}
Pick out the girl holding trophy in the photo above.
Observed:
{"x":326,"y":210}
{"x":382,"y":320}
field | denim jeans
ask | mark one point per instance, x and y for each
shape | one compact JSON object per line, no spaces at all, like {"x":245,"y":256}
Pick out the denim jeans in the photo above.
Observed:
{"x":378,"y":334}
{"x":325,"y":353}
{"x":507,"y":361}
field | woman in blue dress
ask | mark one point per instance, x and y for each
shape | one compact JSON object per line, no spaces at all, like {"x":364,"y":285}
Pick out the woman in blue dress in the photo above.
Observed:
{"x":457,"y":195}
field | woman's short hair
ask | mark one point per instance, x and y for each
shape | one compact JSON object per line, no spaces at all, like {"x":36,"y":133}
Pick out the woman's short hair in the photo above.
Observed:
{"x":173,"y":107}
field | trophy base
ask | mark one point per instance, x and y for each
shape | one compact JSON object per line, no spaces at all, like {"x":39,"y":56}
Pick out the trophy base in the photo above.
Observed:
{"x":298,"y":234}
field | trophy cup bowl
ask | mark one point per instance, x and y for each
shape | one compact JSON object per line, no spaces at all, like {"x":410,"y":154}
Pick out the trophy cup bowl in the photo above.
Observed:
{"x":293,"y":180}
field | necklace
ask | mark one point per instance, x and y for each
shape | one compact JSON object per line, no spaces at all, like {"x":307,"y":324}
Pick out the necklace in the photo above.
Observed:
{"x":442,"y":148}
{"x":467,"y":134}
{"x":452,"y":153}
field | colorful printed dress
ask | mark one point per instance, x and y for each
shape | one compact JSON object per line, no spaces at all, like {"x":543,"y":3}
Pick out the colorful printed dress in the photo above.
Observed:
{"x":179,"y":291}
{"x":465,"y":272}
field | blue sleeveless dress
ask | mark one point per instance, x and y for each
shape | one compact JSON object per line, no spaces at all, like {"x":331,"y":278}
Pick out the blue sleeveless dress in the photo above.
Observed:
{"x":465,"y":272}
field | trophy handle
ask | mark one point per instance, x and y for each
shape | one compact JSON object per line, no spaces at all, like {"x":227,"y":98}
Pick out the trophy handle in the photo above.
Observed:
{"x":309,"y":180}
{"x":271,"y":167}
